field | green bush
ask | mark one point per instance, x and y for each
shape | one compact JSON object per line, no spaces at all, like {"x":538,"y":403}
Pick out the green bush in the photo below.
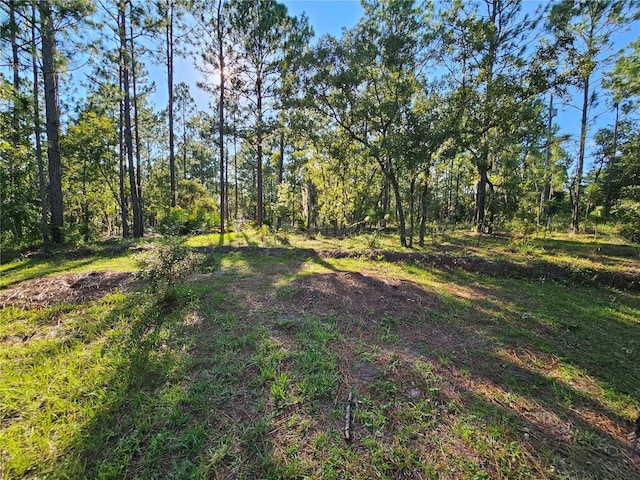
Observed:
{"x":628,"y":213}
{"x":183,"y":222}
{"x":165,"y":264}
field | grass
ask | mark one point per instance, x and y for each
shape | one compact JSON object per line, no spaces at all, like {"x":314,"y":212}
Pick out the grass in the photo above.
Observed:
{"x":245,"y":374}
{"x":21,"y":269}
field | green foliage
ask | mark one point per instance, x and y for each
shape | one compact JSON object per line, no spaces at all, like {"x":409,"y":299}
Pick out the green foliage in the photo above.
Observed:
{"x":185,"y":222}
{"x":19,"y":212}
{"x":165,"y":264}
{"x":524,"y":246}
{"x":628,"y":212}
{"x":89,"y":146}
{"x":279,"y":389}
{"x":195,"y":212}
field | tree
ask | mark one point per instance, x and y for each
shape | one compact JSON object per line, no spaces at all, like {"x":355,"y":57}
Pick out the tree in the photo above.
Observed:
{"x":127,"y":64}
{"x":185,"y":107}
{"x":44,"y":220}
{"x":47,"y":32}
{"x":489,"y":49}
{"x":366,"y":85}
{"x":216,"y":54}
{"x":17,"y":212}
{"x":90,"y":145}
{"x":585,"y":29}
{"x":52,"y":17}
{"x":266,"y":37}
{"x":170,"y":57}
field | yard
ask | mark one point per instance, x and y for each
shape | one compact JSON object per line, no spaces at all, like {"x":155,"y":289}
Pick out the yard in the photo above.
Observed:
{"x":490,"y":357}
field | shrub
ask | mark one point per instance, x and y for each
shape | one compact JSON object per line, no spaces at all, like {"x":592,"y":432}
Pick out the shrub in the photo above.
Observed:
{"x":628,"y":212}
{"x":184,"y":222}
{"x":165,"y":264}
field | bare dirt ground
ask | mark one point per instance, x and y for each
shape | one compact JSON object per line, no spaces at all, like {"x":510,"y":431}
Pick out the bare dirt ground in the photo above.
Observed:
{"x":64,"y":288}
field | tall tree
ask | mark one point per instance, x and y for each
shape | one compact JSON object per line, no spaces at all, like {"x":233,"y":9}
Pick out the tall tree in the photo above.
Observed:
{"x":136,"y":122}
{"x":16,"y":165}
{"x":47,"y":32}
{"x":366,"y":84}
{"x":185,"y":108}
{"x":56,"y":18}
{"x":44,"y":216}
{"x":127,"y":65}
{"x":221,"y":70}
{"x":167,"y":12}
{"x":585,"y":29}
{"x":15,"y":67}
{"x":266,"y":37}
{"x":216,"y":56}
{"x":488,"y":48}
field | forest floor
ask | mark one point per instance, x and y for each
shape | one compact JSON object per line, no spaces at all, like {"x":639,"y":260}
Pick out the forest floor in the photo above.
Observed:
{"x":488,"y":357}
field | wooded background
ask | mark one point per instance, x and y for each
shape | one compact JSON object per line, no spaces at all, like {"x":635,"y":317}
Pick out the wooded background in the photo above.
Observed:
{"x":421,"y":115}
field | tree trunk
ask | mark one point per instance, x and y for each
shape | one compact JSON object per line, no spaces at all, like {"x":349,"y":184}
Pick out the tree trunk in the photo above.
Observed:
{"x":450,"y":188}
{"x":423,"y":215}
{"x":481,"y":195}
{"x":124,"y":207}
{"x":259,"y":139}
{"x":53,"y":121}
{"x":15,"y":114}
{"x":15,"y":66}
{"x":235,"y":169}
{"x":575,"y":218}
{"x":226,"y":186}
{"x":386,"y":202}
{"x":399,"y":209}
{"x":221,"y":114}
{"x":42,"y":183}
{"x":172,"y":155}
{"x":544,"y":197}
{"x":492,"y":212}
{"x":136,"y":121}
{"x":128,"y":137}
{"x":412,"y":188}
{"x":280,"y":173}
{"x":85,"y":203}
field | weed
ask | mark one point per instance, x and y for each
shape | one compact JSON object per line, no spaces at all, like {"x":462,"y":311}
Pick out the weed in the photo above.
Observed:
{"x":279,"y":389}
{"x":372,"y":240}
{"x":264,"y":232}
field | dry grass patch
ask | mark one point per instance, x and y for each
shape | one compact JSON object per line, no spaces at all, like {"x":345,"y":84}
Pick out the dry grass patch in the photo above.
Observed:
{"x":72,"y":288}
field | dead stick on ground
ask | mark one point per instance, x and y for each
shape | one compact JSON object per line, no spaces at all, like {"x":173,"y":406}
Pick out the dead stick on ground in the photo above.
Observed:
{"x":347,"y":419}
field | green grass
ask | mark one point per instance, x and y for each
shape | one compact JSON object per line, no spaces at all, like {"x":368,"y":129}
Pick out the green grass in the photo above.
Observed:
{"x":245,"y":374}
{"x":19,"y":270}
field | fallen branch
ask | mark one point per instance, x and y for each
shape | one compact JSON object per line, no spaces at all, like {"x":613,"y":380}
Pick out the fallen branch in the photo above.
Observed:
{"x":348,"y":434}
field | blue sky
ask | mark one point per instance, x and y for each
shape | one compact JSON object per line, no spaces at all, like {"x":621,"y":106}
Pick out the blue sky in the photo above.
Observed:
{"x":327,"y":16}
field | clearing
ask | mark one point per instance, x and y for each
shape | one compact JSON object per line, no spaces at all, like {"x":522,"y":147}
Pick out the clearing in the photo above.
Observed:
{"x":503,"y":358}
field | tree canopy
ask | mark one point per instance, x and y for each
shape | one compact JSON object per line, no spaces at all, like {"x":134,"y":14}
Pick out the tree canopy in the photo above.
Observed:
{"x":420,"y":114}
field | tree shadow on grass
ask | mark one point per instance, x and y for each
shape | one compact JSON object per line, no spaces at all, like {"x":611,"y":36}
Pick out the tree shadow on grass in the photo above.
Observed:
{"x":180,"y":376}
{"x":186,"y":399}
{"x":566,"y":363}
{"x":501,"y":370}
